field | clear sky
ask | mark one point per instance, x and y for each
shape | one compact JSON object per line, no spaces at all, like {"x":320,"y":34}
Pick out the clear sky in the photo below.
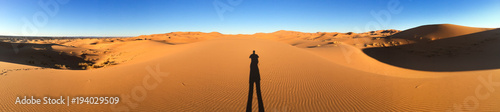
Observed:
{"x":143,"y":17}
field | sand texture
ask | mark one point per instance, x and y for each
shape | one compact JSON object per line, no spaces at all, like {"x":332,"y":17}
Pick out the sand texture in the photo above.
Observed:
{"x":439,"y":67}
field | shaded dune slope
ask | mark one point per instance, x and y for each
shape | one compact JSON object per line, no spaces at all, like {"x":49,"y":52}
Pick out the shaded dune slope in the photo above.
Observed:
{"x":41,"y":55}
{"x":464,"y":51}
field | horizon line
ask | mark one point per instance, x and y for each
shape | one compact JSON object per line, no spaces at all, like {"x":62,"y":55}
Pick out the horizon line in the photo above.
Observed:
{"x":221,"y":33}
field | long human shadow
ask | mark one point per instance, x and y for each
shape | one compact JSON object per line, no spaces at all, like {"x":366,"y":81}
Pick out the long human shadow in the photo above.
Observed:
{"x":41,"y":55}
{"x":254,"y":78}
{"x":476,"y":51}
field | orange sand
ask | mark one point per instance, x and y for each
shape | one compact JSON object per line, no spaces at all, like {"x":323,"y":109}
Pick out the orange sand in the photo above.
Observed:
{"x":428,"y":68}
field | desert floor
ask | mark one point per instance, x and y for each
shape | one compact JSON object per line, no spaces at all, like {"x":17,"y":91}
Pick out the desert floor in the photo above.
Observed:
{"x":428,"y":68}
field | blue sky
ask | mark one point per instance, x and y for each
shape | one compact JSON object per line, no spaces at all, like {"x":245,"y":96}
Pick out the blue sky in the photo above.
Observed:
{"x":143,"y":17}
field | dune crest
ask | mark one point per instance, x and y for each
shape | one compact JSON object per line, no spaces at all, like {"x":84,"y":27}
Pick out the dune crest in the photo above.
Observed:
{"x":437,"y":31}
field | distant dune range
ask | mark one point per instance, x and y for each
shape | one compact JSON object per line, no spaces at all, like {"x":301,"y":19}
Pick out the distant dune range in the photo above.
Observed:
{"x":427,"y":68}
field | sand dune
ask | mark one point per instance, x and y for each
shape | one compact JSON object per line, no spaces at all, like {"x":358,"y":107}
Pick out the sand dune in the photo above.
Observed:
{"x":436,"y":32}
{"x":324,"y":71}
{"x":469,"y":51}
